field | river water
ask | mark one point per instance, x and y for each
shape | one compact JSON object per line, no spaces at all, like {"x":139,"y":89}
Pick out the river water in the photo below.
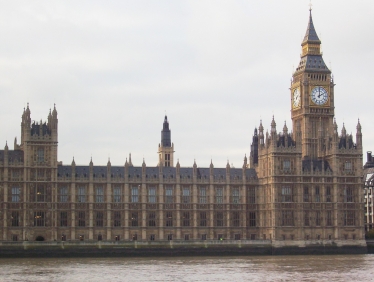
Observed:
{"x":254,"y":268}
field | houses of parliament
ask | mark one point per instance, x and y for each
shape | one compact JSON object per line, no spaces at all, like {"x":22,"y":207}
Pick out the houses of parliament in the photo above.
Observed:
{"x":300,"y":185}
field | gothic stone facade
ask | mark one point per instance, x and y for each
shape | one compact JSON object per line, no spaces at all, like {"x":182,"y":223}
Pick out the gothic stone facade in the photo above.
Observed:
{"x":299,"y":188}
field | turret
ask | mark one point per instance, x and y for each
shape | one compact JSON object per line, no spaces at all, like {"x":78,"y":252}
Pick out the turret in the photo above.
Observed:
{"x":273,"y":127}
{"x":54,"y":123}
{"x":261,"y":133}
{"x":166,"y":148}
{"x":344,"y":131}
{"x":254,"y":147}
{"x":358,"y":136}
{"x":245,"y":162}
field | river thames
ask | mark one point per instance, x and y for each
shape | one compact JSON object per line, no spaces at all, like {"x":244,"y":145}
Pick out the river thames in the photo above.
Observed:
{"x":254,"y":268}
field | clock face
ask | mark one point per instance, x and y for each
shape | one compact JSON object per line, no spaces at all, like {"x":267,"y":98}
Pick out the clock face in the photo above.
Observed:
{"x":296,"y":98}
{"x":319,"y":95}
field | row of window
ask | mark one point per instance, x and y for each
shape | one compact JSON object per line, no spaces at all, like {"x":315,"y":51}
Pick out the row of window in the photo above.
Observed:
{"x":316,"y":218}
{"x":315,"y":195}
{"x":135,"y":221}
{"x":40,"y":193}
{"x":287,"y":164}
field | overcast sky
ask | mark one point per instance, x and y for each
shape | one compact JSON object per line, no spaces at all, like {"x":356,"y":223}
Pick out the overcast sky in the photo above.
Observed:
{"x":114,"y":68}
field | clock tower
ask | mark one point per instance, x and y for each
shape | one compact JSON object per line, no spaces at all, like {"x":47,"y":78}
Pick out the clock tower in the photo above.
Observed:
{"x":312,"y":97}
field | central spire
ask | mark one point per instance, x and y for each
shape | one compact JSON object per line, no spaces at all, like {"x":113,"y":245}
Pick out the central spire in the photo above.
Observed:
{"x":166,"y":134}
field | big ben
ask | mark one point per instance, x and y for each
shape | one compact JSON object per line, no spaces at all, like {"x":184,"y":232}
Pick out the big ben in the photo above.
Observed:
{"x":310,"y":178}
{"x":312,"y":95}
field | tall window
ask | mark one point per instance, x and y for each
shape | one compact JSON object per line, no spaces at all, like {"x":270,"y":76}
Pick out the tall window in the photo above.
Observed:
{"x":39,"y":218}
{"x":235,"y":196}
{"x":134,"y":219}
{"x":306,"y":218}
{"x":306,"y":194}
{"x":15,"y":218}
{"x":317,"y":197}
{"x":202,"y":195}
{"x":134,"y":195}
{"x":40,"y":155}
{"x":348,"y":166}
{"x":81,"y":194}
{"x":286,"y":194}
{"x":219,"y":195}
{"x":152,"y":195}
{"x":169,"y":195}
{"x":348,"y":195}
{"x":318,"y":218}
{"x":236,"y":219}
{"x":329,"y":218}
{"x":252,"y":219}
{"x":99,"y":195}
{"x":169,"y":219}
{"x":81,"y":219}
{"x":167,"y":160}
{"x":151,"y":219}
{"x":63,"y":194}
{"x":287,"y":218}
{"x":252,"y":195}
{"x":328,"y":194}
{"x":116,"y":194}
{"x":202,"y":221}
{"x":16,"y":192}
{"x":286,"y":164}
{"x":185,"y":219}
{"x":349,"y":218}
{"x":186,"y":195}
{"x":219,"y":219}
{"x":117,"y":219}
{"x":64,"y":219}
{"x":40,"y":193}
{"x":99,"y":219}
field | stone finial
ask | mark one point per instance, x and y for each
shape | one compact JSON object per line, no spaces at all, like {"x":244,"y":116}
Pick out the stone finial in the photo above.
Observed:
{"x":273,"y":126}
{"x":285,"y":129}
{"x":358,"y":127}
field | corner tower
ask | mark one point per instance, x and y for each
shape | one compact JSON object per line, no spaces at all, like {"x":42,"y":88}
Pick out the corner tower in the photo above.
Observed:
{"x":312,"y":96}
{"x":166,"y":148}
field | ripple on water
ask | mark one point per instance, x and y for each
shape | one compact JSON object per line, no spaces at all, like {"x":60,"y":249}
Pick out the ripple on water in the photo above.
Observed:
{"x":259,"y":268}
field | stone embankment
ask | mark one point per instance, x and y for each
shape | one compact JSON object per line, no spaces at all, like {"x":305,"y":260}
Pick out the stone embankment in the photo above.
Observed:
{"x":175,"y":248}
